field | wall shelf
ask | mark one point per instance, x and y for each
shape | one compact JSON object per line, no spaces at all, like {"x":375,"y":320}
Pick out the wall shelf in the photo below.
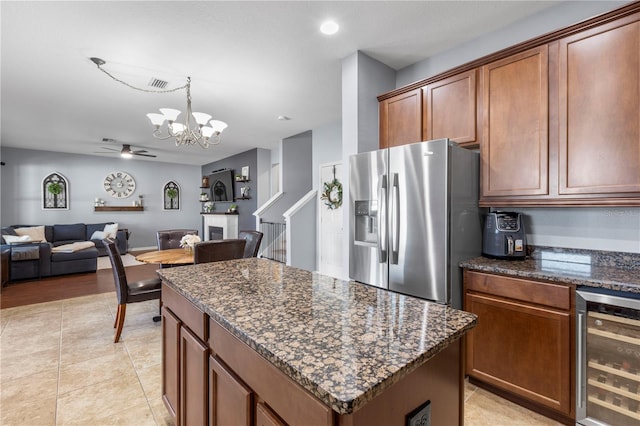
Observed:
{"x":119,"y":209}
{"x":241,"y":198}
{"x":243,"y":180}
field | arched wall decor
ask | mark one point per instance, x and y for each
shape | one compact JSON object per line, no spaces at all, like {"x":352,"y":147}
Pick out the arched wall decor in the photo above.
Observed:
{"x":55,"y":192}
{"x":171,"y":196}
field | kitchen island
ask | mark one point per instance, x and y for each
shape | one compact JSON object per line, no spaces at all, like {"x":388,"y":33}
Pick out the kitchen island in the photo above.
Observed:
{"x":252,"y":341}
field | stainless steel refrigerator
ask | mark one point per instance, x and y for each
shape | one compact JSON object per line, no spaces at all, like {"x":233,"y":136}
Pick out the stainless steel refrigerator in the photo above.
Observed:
{"x":414,"y":217}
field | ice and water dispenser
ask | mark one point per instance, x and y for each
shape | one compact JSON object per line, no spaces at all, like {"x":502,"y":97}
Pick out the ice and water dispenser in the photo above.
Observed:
{"x":366,"y":223}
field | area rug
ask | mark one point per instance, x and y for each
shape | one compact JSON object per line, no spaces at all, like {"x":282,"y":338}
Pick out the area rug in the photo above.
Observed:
{"x":127,"y":260}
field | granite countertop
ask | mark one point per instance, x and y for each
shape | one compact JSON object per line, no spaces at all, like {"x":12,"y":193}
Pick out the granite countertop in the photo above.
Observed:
{"x":343,"y":341}
{"x":609,"y":270}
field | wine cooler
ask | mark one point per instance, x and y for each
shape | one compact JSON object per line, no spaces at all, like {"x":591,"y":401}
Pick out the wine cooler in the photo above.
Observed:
{"x":608,"y":357}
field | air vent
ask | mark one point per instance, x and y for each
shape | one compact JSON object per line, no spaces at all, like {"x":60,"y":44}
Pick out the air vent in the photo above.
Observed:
{"x":158,"y":84}
{"x":108,"y":140}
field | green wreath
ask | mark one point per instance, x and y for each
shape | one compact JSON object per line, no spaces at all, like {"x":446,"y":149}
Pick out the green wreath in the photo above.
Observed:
{"x":332,"y":194}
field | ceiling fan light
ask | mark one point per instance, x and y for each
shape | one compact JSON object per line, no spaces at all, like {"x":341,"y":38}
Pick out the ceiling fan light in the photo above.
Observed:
{"x":156,"y":119}
{"x":218,"y":126}
{"x":126,"y":155}
{"x":201,"y":117}
{"x":170,"y":113}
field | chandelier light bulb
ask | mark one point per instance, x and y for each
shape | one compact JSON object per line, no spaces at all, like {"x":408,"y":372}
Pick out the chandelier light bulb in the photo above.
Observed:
{"x":156,"y":119}
{"x":201,"y":118}
{"x":170,"y":113}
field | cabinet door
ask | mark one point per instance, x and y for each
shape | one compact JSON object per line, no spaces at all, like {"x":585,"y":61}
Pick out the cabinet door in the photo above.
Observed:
{"x":599,"y":114}
{"x":514,"y":149}
{"x":401,"y":119}
{"x":231,"y":400}
{"x":170,"y":362}
{"x":266,"y":417}
{"x":450,"y":109}
{"x":193,"y":379}
{"x":523,"y":349}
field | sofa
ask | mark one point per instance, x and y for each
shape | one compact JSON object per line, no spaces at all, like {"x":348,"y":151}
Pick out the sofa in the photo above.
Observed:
{"x":35,"y":259}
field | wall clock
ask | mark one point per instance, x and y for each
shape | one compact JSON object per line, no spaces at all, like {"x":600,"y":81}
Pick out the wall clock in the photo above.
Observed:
{"x":119,"y":184}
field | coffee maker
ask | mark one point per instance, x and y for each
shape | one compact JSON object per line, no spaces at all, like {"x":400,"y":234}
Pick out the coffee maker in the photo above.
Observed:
{"x":504,"y":236}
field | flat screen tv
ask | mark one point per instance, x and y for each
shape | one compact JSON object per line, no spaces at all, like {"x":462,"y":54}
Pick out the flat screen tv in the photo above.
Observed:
{"x":221,"y":185}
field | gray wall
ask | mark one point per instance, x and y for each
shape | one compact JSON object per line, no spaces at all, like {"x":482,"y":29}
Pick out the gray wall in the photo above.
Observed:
{"x":296,"y":154}
{"x":326,"y":148}
{"x":21,"y":196}
{"x":556,"y":17}
{"x":246,"y":221}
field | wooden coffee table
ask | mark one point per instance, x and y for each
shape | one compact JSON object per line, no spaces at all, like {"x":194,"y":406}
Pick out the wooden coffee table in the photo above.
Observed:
{"x":177,"y":256}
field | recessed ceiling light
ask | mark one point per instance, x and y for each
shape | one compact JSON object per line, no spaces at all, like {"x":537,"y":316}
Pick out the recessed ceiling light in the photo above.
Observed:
{"x":329,"y":27}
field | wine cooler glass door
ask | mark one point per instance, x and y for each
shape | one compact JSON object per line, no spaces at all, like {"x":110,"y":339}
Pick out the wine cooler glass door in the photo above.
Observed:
{"x":608,"y":343}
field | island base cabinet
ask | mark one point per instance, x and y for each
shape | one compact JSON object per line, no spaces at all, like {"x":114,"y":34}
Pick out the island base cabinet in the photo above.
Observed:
{"x":193,"y":381}
{"x":185,"y":360}
{"x":231,"y":400}
{"x":170,"y":362}
{"x":439,"y":381}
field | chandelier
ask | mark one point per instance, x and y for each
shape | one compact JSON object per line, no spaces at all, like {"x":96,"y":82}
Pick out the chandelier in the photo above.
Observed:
{"x":191,"y":131}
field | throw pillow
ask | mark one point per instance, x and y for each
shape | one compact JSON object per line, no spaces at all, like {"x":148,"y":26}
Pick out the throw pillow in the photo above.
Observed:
{"x":16,"y":239}
{"x":35,"y":232}
{"x":98,"y":235}
{"x":111,"y":230}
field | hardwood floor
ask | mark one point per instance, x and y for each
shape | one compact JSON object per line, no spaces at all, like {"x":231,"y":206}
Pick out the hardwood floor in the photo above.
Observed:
{"x":61,"y":287}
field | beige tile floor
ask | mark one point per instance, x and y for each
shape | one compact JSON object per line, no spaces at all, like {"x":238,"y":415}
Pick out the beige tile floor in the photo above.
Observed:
{"x":59,"y":365}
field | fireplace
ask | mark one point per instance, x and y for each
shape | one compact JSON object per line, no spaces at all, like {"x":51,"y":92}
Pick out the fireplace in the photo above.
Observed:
{"x":216,"y":233}
{"x":217,"y":226}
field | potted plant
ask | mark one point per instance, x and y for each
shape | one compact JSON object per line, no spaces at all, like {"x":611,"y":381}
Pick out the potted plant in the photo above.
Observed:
{"x":55,"y":188}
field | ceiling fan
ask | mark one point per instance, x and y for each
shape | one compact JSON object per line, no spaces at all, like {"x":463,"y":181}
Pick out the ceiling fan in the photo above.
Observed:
{"x":127,"y":152}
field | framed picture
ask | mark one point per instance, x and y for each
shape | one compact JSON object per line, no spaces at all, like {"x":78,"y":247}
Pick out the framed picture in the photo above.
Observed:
{"x":245,"y":173}
{"x":55,"y":192}
{"x":171,"y":196}
{"x":421,"y":416}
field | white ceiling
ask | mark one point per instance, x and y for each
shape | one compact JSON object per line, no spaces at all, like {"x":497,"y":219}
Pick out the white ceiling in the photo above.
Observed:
{"x":249,"y":63}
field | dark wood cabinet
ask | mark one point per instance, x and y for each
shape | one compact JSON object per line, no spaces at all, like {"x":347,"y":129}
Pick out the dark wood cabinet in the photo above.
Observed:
{"x":194,"y":355}
{"x":513,"y":154}
{"x":523,"y":344}
{"x":451,"y":109}
{"x":599,"y":110}
{"x":401,"y":119}
{"x":266,"y":417}
{"x":185,"y":360}
{"x":557,"y":117}
{"x":170,"y":362}
{"x":231,"y":400}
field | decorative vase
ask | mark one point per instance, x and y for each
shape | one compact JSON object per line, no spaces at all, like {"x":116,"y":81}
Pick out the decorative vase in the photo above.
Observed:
{"x":188,"y":249}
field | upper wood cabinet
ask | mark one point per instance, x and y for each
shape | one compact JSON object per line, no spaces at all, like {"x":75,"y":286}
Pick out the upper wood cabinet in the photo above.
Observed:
{"x":599,"y":110}
{"x":514,"y":150}
{"x":450,"y":108}
{"x":401,"y":119}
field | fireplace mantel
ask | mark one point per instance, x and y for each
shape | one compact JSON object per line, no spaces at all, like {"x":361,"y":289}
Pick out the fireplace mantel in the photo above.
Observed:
{"x":228,"y":223}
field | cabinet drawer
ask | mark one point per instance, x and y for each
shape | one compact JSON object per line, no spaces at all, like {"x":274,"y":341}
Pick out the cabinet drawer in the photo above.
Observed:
{"x":547,"y":294}
{"x":189,"y":314}
{"x":289,"y":400}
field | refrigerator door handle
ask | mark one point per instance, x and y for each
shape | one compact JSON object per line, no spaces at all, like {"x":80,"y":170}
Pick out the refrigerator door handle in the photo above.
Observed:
{"x":382,"y":219}
{"x":395,"y":221}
